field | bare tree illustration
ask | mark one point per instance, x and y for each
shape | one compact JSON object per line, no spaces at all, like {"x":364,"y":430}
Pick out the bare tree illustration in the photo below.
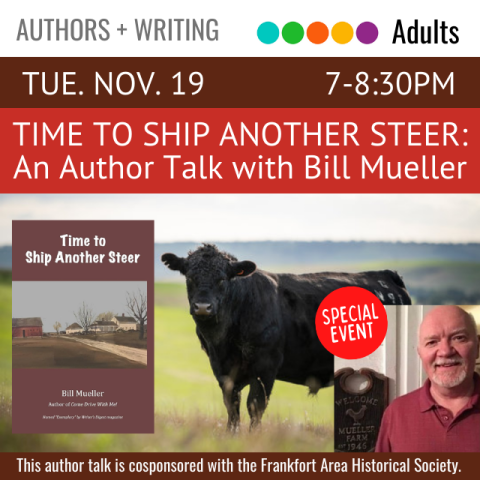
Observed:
{"x":85,"y":317}
{"x":137,"y":306}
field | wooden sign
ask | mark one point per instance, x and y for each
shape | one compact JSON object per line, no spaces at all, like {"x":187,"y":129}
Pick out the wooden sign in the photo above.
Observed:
{"x":358,"y":411}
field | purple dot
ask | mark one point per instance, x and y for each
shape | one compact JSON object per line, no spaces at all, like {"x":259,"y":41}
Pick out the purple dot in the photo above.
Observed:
{"x":367,"y":32}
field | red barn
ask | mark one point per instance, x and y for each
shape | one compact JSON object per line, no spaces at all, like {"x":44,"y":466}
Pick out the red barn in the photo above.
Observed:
{"x":27,"y":327}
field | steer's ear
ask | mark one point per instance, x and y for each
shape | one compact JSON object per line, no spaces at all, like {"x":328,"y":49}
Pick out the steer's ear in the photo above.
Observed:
{"x":174,"y":263}
{"x":242,"y":269}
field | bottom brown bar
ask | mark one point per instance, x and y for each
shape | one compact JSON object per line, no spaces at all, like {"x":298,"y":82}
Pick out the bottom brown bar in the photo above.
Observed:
{"x":15,"y":465}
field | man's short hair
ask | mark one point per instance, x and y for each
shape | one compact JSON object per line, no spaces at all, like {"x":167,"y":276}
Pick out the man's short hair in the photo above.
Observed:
{"x":468,"y":315}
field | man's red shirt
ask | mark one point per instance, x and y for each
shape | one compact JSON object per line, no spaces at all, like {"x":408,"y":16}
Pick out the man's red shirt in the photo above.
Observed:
{"x":416,"y":423}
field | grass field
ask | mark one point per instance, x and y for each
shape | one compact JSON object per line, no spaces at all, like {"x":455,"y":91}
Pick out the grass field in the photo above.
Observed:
{"x":189,"y":410}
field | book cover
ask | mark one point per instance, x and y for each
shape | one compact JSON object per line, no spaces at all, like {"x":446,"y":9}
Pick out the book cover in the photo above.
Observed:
{"x":82,"y":327}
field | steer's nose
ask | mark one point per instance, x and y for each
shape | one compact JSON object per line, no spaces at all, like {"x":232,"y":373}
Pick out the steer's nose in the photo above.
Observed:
{"x":202,"y":308}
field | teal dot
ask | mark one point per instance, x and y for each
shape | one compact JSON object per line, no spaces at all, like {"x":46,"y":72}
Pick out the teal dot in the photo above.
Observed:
{"x":292,"y":33}
{"x":268,"y":33}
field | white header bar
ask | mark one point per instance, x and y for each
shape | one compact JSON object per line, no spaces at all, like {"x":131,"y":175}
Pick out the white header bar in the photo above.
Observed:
{"x":229,"y":29}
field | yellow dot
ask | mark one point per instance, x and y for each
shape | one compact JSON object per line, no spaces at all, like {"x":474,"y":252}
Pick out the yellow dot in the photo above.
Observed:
{"x":342,"y":32}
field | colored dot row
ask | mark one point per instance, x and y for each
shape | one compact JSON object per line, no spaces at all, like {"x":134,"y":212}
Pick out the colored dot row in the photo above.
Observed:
{"x":317,"y":33}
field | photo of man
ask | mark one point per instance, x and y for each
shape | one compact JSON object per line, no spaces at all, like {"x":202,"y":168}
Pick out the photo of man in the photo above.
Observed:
{"x":444,"y":414}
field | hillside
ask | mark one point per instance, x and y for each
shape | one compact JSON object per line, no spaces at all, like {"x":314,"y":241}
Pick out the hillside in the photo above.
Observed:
{"x":433,"y":273}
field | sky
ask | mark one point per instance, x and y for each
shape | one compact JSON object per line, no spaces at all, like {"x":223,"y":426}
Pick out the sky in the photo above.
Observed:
{"x":57,"y":301}
{"x":208,"y":217}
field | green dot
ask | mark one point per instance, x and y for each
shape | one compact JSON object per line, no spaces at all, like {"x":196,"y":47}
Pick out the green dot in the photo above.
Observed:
{"x":292,"y":32}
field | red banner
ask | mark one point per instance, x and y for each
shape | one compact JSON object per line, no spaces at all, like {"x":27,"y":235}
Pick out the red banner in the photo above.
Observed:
{"x":240,"y":151}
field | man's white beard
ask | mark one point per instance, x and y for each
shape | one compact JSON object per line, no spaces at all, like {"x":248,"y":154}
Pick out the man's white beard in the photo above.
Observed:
{"x":446,"y":380}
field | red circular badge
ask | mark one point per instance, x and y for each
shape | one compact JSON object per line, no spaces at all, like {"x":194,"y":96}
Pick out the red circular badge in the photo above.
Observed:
{"x":351,"y":322}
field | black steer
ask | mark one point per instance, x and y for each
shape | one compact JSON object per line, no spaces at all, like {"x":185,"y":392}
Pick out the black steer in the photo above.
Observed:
{"x":257,"y":326}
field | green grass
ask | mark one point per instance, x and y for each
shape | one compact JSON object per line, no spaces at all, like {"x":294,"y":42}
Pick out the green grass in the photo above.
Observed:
{"x":171,"y":295}
{"x":5,"y":337}
{"x":187,"y":382}
{"x":189,"y":411}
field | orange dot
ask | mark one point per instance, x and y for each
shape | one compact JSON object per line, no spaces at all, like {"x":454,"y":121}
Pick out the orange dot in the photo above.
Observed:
{"x":317,"y":33}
